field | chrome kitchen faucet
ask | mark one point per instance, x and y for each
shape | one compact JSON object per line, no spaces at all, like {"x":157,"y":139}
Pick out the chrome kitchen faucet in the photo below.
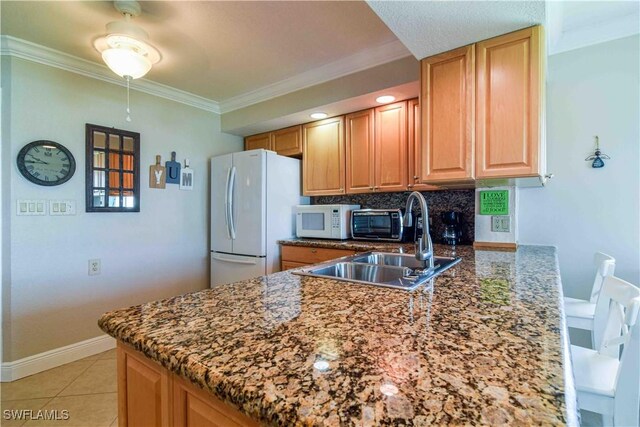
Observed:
{"x":424,"y":245}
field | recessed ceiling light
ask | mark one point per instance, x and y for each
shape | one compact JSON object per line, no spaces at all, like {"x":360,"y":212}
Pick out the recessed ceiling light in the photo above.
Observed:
{"x":385,"y":99}
{"x":318,"y":115}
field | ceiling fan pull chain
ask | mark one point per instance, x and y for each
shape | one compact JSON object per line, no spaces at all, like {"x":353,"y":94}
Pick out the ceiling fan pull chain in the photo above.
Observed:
{"x":128,"y":110}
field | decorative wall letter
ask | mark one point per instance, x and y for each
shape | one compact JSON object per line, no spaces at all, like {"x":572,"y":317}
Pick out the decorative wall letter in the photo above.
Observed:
{"x":173,"y":170}
{"x":186,"y":177}
{"x":157,"y":175}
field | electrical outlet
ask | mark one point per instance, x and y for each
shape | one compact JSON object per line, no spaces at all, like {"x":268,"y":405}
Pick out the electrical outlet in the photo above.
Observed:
{"x":500,"y":224}
{"x":94,"y":267}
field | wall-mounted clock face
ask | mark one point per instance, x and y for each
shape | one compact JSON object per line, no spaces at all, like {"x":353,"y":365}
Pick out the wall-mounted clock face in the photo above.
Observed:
{"x":46,"y":163}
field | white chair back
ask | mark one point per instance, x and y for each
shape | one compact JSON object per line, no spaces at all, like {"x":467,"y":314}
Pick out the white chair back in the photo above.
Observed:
{"x":605,"y":266}
{"x":617,"y":312}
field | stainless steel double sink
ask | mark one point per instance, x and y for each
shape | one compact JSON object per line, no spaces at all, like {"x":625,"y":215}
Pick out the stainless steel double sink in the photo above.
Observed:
{"x":391,"y":270}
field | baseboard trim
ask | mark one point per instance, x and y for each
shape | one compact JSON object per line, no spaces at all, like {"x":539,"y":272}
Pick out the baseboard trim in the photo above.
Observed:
{"x":11,"y":371}
{"x":495,"y":246}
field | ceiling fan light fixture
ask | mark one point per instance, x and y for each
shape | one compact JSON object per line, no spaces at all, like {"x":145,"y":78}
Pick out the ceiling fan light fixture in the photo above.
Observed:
{"x":125,"y":49}
{"x":126,"y":62}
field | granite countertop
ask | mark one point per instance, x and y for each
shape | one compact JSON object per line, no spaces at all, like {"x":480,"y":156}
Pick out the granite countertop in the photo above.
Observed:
{"x":485,"y":344}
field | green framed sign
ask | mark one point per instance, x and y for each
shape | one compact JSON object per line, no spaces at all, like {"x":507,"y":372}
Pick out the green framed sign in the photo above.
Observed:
{"x":494,"y":202}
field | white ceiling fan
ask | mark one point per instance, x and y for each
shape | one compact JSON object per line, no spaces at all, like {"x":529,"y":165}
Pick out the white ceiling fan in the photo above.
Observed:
{"x":125,"y":48}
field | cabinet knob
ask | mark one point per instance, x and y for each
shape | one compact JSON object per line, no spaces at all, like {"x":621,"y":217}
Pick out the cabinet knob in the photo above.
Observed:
{"x":370,"y":188}
{"x":410,"y":186}
{"x":313,"y":251}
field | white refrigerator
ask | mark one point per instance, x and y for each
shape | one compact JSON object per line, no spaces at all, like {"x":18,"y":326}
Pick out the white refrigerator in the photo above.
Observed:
{"x":252,"y":198}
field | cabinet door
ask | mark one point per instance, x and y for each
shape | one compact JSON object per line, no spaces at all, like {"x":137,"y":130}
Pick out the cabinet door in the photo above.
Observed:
{"x":508,"y":108}
{"x":195,"y":408}
{"x":447,"y":119}
{"x":254,"y":142}
{"x":323,"y":158}
{"x":414,"y":148}
{"x":287,"y":142}
{"x":143,"y":391}
{"x":360,"y":157}
{"x":309,"y":255}
{"x":390,"y":147}
{"x":288,"y":265}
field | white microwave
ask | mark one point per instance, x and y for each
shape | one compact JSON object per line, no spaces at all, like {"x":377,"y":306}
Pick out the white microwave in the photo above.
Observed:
{"x":324,"y":221}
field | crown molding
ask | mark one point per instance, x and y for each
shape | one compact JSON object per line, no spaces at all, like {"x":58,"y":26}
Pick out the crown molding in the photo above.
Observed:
{"x":23,"y":49}
{"x":362,"y":60}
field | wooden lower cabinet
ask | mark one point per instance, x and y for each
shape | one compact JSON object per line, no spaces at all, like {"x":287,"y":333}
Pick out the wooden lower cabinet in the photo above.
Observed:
{"x":288,"y":265}
{"x":149,"y":396}
{"x":299,"y":256}
{"x":193,"y":407}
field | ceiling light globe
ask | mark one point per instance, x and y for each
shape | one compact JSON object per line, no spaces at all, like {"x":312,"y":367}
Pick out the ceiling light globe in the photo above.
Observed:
{"x":318,"y":115}
{"x":126,"y":62}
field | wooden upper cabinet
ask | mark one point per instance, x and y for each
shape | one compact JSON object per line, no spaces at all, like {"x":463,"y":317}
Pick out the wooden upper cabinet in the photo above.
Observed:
{"x":262,"y":140}
{"x":414,"y":149}
{"x":509,"y":104}
{"x":390,"y":147}
{"x":288,"y":141}
{"x":447,"y":119}
{"x":360,"y":151}
{"x":323,"y":159}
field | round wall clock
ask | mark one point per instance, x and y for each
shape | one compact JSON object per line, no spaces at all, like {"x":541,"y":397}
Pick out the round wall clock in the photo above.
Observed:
{"x":46,"y":163}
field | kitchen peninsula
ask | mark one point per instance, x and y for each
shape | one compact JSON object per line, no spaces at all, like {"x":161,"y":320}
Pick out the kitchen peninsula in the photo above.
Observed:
{"x":485,"y":344}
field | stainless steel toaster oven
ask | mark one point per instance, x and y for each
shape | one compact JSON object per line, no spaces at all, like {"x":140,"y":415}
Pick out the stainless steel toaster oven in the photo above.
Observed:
{"x":377,"y":224}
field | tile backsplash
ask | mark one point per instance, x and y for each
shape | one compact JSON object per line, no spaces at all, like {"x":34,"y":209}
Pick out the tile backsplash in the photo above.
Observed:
{"x":462,"y":201}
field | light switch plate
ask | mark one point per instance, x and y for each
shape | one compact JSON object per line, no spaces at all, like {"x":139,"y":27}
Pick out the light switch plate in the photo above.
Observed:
{"x":500,"y":224}
{"x":62,"y":207}
{"x":31,"y":207}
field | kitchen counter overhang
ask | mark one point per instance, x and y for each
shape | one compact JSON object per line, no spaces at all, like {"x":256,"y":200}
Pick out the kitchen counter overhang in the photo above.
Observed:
{"x":485,"y":344}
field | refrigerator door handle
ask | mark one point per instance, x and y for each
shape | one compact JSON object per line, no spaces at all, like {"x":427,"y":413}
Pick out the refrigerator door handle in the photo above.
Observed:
{"x":226,"y":203}
{"x":234,"y":260}
{"x":232,"y":184}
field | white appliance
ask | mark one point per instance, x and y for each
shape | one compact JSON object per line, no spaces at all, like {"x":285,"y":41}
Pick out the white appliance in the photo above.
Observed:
{"x":252,"y":198}
{"x":324,"y":221}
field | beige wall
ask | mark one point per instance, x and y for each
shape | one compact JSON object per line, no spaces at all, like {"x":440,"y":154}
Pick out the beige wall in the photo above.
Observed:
{"x":50,"y":301}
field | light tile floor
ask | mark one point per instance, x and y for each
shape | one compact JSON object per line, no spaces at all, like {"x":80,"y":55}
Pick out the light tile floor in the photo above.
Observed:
{"x":87,"y":389}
